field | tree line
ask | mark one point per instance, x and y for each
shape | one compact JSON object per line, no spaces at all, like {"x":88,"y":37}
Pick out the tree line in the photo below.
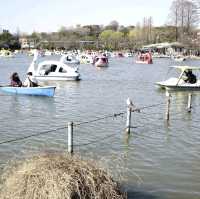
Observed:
{"x":181,"y":25}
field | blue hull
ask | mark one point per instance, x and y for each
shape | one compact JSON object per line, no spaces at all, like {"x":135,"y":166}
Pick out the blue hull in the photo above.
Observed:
{"x":39,"y":91}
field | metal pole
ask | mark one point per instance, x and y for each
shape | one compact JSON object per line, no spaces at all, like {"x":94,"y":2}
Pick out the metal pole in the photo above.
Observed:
{"x":189,"y":108}
{"x":128,"y":119}
{"x":70,"y":137}
{"x":168,"y":105}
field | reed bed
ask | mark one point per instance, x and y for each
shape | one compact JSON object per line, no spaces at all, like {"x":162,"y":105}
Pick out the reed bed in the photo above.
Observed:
{"x":58,"y":176}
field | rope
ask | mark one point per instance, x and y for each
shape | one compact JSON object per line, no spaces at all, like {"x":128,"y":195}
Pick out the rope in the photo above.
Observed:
{"x":95,"y":120}
{"x":32,"y":135}
{"x":100,"y":118}
{"x":151,"y":106}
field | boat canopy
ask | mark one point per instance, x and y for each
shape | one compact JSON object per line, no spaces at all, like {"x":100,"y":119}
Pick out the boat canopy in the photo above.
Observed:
{"x":46,"y":67}
{"x":183,"y":68}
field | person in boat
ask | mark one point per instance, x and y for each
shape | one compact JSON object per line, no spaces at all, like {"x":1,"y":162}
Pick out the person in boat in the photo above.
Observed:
{"x":15,"y":80}
{"x":30,"y":81}
{"x":149,"y":57}
{"x":141,"y":56}
{"x":51,"y":69}
{"x":190,"y":77}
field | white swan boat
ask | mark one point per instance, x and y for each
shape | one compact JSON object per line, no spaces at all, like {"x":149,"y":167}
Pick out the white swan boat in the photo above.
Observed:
{"x":69,"y":59}
{"x":179,"y":58}
{"x":85,"y":59}
{"x":51,"y":70}
{"x":181,"y":83}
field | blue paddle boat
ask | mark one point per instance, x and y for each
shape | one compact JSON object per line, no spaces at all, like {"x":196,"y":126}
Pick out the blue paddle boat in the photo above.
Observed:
{"x":37,"y":91}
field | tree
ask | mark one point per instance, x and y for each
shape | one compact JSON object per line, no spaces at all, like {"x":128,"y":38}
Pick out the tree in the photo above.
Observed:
{"x":105,"y":37}
{"x":111,"y":39}
{"x":117,"y":39}
{"x":113,"y":25}
{"x":184,"y":16}
{"x":94,"y":30}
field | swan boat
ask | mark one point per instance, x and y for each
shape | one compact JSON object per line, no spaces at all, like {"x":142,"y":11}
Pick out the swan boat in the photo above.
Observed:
{"x":179,"y":83}
{"x":144,"y":58}
{"x":101,"y":61}
{"x":36,"y":91}
{"x":51,"y":70}
{"x":179,"y":58}
{"x":69,"y":59}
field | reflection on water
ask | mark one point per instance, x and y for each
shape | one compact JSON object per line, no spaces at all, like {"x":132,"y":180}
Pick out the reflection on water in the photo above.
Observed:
{"x":157,"y":160}
{"x":62,"y":84}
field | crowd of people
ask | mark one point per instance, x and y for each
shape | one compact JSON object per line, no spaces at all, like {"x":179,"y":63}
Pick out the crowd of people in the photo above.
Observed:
{"x":30,"y":80}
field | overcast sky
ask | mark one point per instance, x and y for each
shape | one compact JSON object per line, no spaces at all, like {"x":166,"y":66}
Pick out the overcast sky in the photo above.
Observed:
{"x":50,"y":15}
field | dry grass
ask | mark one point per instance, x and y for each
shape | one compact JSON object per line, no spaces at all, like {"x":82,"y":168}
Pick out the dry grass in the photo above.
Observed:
{"x":58,"y":177}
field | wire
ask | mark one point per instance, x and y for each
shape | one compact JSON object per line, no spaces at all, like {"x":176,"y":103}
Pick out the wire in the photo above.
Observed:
{"x":100,"y":118}
{"x":151,"y":106}
{"x":32,"y":135}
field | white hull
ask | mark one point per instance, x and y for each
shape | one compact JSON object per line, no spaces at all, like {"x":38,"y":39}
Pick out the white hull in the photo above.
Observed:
{"x":57,"y":78}
{"x":101,"y":64}
{"x":142,"y":62}
{"x":179,"y":59}
{"x":171,"y":84}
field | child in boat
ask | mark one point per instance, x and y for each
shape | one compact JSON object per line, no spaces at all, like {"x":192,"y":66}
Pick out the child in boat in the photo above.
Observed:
{"x":15,"y":80}
{"x":30,"y":81}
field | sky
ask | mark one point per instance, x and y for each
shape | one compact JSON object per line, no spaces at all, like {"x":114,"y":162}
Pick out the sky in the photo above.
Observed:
{"x":49,"y":15}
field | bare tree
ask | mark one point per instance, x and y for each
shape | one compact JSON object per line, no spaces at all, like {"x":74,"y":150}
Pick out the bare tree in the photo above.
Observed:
{"x":184,"y":16}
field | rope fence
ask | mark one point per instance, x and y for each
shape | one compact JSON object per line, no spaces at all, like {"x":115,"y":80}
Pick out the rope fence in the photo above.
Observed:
{"x":71,"y":128}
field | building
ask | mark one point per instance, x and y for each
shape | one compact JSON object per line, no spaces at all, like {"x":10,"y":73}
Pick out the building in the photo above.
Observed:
{"x":26,"y":43}
{"x":166,"y":48}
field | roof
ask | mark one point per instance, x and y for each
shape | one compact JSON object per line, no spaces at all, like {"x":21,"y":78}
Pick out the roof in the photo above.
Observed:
{"x":50,"y":62}
{"x":183,"y":68}
{"x":164,"y":45}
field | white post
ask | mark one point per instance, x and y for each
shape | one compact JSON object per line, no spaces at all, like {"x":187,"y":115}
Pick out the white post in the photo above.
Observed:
{"x":168,"y":105}
{"x":70,"y":137}
{"x":189,"y":108}
{"x":128,"y":119}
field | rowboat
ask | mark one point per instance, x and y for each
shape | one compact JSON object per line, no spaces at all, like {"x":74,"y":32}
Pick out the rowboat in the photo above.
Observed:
{"x":37,"y":91}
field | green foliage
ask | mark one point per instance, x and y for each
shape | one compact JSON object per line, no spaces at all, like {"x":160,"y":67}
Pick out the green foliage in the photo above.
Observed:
{"x":111,"y":37}
{"x":8,"y":40}
{"x":6,"y":37}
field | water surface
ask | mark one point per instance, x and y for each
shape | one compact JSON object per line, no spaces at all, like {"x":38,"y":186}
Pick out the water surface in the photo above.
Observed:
{"x":157,"y":160}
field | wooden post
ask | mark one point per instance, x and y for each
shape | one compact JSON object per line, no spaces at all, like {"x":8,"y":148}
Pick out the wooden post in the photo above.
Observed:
{"x":168,"y":105}
{"x":128,"y":119}
{"x":189,"y":108}
{"x":70,"y":137}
